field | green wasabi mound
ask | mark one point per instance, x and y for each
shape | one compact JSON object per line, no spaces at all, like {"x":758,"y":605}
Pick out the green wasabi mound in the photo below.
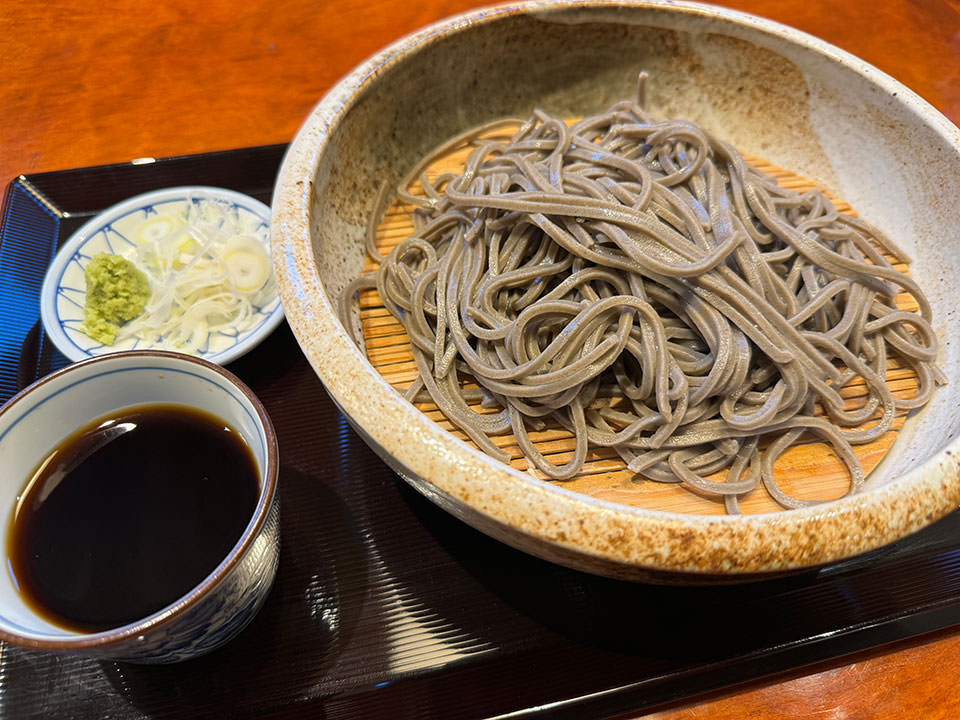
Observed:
{"x":116,"y":293}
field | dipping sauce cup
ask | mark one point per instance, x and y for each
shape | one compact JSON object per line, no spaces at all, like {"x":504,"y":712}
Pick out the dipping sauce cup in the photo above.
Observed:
{"x":36,"y":421}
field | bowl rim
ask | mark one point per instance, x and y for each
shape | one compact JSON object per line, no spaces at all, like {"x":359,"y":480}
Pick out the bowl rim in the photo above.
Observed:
{"x":52,"y":281}
{"x":268,"y":490}
{"x":620,"y":537}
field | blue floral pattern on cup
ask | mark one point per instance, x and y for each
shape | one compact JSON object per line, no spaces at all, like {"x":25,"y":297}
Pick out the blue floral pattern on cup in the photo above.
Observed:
{"x":222,"y":604}
{"x":221,"y":615}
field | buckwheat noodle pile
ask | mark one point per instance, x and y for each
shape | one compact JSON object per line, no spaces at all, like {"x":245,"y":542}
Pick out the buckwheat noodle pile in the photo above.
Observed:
{"x":638,"y":283}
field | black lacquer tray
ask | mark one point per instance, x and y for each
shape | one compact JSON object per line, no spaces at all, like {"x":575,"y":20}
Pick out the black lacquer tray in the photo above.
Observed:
{"x":387,"y":607}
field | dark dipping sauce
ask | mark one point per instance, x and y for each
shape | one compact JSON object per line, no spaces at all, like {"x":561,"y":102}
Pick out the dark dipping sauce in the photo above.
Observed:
{"x":129,"y":514}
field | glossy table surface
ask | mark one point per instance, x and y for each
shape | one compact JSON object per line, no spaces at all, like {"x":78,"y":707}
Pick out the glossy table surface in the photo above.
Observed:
{"x":121,"y":79}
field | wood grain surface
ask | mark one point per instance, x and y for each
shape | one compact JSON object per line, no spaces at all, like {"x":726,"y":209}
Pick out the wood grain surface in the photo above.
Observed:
{"x":92,"y":83}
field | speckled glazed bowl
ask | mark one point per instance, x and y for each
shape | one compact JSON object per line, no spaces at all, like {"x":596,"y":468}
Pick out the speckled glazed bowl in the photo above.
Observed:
{"x":774,"y":92}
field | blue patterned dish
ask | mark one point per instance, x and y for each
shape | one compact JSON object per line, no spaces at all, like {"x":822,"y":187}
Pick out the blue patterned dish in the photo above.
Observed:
{"x":113,"y":231}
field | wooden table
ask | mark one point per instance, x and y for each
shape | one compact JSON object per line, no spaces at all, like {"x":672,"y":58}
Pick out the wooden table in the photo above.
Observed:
{"x":119,"y":79}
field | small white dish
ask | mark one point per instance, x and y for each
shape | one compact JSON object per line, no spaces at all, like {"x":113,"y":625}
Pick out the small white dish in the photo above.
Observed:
{"x":64,"y":290}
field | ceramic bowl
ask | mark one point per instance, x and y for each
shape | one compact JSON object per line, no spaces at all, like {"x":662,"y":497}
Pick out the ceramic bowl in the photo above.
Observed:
{"x":114,"y":231}
{"x":772,"y":91}
{"x":38,"y":418}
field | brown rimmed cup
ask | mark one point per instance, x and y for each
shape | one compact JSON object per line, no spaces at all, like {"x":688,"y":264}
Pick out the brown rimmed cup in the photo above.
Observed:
{"x":38,"y":418}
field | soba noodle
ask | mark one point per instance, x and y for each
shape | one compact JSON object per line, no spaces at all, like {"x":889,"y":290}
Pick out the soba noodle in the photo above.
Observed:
{"x":640,"y":284}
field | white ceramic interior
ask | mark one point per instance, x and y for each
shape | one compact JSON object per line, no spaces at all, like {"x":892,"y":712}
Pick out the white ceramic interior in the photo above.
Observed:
{"x":43,"y":415}
{"x":774,"y":92}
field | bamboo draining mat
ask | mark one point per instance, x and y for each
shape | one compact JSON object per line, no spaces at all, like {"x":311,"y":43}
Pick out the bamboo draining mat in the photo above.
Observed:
{"x":808,"y":470}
